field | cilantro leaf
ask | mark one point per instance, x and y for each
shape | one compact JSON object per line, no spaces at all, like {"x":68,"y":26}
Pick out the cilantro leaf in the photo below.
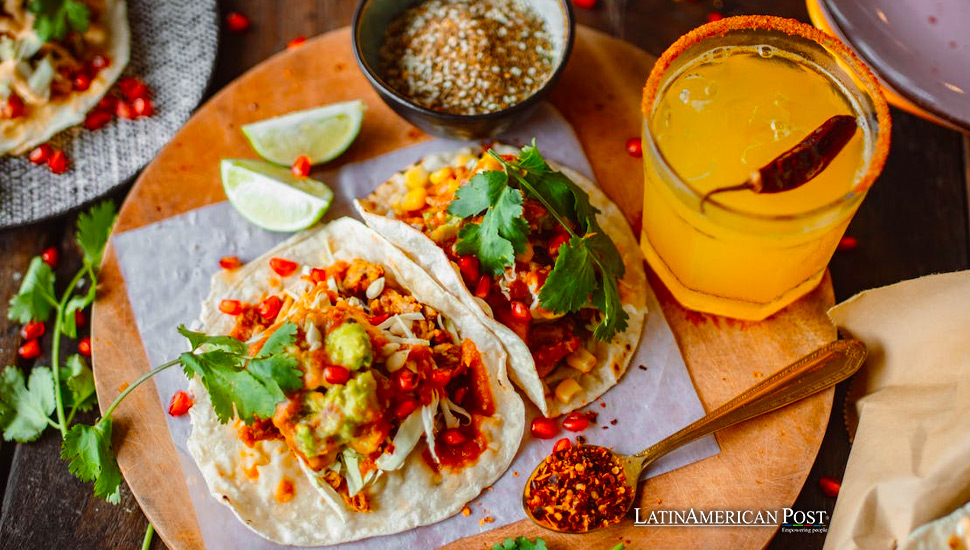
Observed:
{"x":482,"y":191}
{"x":502,"y":233}
{"x":225,"y":343}
{"x":279,"y":340}
{"x":28,"y":406}
{"x":77,"y":302}
{"x":55,"y":18}
{"x":88,"y":448}
{"x":35,"y":299}
{"x":93,"y":230}
{"x":520,"y":543}
{"x":78,"y":381}
{"x":571,"y":281}
{"x":607,"y":300}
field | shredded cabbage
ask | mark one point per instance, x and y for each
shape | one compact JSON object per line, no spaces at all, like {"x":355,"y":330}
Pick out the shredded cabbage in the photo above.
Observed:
{"x":326,"y":491}
{"x":404,"y":442}
{"x":449,"y":409}
{"x":427,"y":416}
{"x":355,"y":482}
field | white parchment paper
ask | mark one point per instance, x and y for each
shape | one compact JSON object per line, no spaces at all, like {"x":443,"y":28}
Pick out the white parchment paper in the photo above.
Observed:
{"x":167,"y":267}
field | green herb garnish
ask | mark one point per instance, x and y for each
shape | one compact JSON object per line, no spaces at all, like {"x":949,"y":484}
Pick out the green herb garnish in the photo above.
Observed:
{"x":588,"y":265}
{"x":520,"y":543}
{"x":53,"y":19}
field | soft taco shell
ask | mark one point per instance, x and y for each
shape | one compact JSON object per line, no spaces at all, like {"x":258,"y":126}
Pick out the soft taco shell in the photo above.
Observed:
{"x":402,"y":499}
{"x":612,"y":358}
{"x":41,"y":122}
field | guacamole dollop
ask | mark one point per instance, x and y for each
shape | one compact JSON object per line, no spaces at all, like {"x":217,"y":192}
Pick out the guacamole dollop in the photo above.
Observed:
{"x":349,"y":346}
{"x":331,"y":419}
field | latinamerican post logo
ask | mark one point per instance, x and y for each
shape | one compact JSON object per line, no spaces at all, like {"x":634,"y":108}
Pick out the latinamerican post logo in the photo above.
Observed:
{"x":789,"y":520}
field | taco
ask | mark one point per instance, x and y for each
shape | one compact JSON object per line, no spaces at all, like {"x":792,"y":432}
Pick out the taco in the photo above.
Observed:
{"x":56,"y":63}
{"x":568,"y":341}
{"x":405,"y":413}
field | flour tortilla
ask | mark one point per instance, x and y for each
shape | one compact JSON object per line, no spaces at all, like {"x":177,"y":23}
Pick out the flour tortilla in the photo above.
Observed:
{"x":41,"y":122}
{"x":402,"y":499}
{"x":612,"y":357}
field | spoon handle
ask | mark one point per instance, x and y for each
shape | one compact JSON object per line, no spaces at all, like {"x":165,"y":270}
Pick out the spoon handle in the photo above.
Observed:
{"x":811,"y":374}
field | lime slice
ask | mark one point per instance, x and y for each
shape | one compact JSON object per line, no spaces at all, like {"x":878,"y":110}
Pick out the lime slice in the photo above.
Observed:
{"x":321,"y":134}
{"x":273,"y":198}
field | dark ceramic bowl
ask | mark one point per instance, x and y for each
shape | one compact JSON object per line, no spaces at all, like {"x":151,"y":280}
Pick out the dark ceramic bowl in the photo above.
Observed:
{"x":373,"y":17}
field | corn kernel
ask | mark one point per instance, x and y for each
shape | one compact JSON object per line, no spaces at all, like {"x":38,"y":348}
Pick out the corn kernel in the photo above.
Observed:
{"x":567,"y":390}
{"x":488,"y":163}
{"x":463,"y":160}
{"x":414,"y":200}
{"x":441,"y":175}
{"x":581,"y":360}
{"x":415,"y":177}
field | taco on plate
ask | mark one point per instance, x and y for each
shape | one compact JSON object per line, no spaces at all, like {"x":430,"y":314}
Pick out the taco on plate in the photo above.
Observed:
{"x":547,"y":261}
{"x":57,"y":60}
{"x":405,"y":411}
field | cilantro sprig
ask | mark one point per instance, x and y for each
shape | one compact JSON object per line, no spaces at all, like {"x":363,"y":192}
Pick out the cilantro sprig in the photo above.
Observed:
{"x":588,"y":266}
{"x":53,"y":19}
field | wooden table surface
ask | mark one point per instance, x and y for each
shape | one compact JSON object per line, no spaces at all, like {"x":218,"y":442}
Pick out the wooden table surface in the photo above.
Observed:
{"x":914,"y":222}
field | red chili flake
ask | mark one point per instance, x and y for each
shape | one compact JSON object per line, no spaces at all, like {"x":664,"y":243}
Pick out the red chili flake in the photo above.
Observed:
{"x":80,"y":319}
{"x":33,"y":330}
{"x":97,"y":118}
{"x":231,"y":307}
{"x":296,"y":42}
{"x":453,"y":437}
{"x":124,"y":110}
{"x":270,"y":308}
{"x":301,"y":166}
{"x":142,"y":106}
{"x":575,"y":422}
{"x":562,"y":444}
{"x":591,"y":416}
{"x":830,"y":486}
{"x":469,"y":268}
{"x":544,"y":428}
{"x":283,"y":268}
{"x":13,"y":108}
{"x":848,"y":244}
{"x":521,"y":311}
{"x":29,"y":350}
{"x":484,"y":287}
{"x":180,"y":404}
{"x":99,"y":62}
{"x":335,"y":374}
{"x":58,"y":162}
{"x":585,"y":4}
{"x":229,"y":262}
{"x":406,"y":380}
{"x":236,"y":22}
{"x":84,"y":347}
{"x":318,"y":275}
{"x":81,"y":82}
{"x":634,"y":147}
{"x":40,"y":154}
{"x":50,"y":256}
{"x":132,"y":88}
{"x":714,"y":16}
{"x":405,"y":408}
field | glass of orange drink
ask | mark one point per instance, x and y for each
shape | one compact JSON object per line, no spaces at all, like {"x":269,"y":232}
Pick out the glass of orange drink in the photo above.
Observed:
{"x":722,"y":102}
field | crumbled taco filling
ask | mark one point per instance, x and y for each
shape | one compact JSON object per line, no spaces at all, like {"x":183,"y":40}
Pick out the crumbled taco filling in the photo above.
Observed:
{"x":380,"y":371}
{"x":559,"y":343}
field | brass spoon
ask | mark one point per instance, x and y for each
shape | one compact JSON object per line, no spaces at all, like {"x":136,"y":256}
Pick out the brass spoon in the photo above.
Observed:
{"x":811,"y":374}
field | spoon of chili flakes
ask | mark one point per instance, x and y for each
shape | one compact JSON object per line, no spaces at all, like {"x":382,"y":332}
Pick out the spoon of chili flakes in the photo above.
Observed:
{"x":582,"y":487}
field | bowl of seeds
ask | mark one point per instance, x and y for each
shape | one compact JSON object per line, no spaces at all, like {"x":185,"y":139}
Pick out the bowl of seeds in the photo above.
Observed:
{"x":464,"y":69}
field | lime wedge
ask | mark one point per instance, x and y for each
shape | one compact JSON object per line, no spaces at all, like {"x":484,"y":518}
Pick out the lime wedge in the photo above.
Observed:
{"x":321,"y":134}
{"x":273,"y":198}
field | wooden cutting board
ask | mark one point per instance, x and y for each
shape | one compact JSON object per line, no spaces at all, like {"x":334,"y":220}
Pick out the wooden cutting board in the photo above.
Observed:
{"x":762,"y":465}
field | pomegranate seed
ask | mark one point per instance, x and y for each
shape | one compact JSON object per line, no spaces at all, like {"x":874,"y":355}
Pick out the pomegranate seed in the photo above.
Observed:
{"x":544,"y":428}
{"x":848,"y":244}
{"x":378,"y":319}
{"x":714,"y":16}
{"x":180,"y":404}
{"x":585,"y":4}
{"x":99,"y":62}
{"x":484,"y":287}
{"x":556,"y":241}
{"x":270,"y":308}
{"x":50,"y":257}
{"x":81,"y":82}
{"x":123,"y":110}
{"x":58,"y":162}
{"x":335,"y":374}
{"x":142,"y":106}
{"x":318,"y":275}
{"x":229,"y":262}
{"x":40,"y":154}
{"x":301,"y":166}
{"x":236,"y":22}
{"x":132,"y":88}
{"x":107,"y":103}
{"x":634,"y":147}
{"x":283,"y":268}
{"x":14,"y":108}
{"x":454,"y":437}
{"x":406,"y":380}
{"x":441,"y":377}
{"x":562,"y":445}
{"x":80,"y":320}
{"x":521,"y":311}
{"x":830,"y":486}
{"x":296,"y":42}
{"x":405,"y":408}
{"x":230,"y":307}
{"x":468,"y":266}
{"x":30,"y":350}
{"x":84,"y":346}
{"x":575,"y":422}
{"x":97,"y":118}
{"x":33,"y":330}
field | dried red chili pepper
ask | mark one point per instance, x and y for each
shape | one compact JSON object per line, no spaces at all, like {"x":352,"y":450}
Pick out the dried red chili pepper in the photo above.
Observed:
{"x":800,"y":164}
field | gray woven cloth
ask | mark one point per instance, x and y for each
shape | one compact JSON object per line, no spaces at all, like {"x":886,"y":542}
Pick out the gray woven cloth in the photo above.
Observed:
{"x":173,"y":49}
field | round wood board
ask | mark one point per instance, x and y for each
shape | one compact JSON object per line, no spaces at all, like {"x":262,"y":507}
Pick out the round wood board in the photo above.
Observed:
{"x":763,"y":463}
